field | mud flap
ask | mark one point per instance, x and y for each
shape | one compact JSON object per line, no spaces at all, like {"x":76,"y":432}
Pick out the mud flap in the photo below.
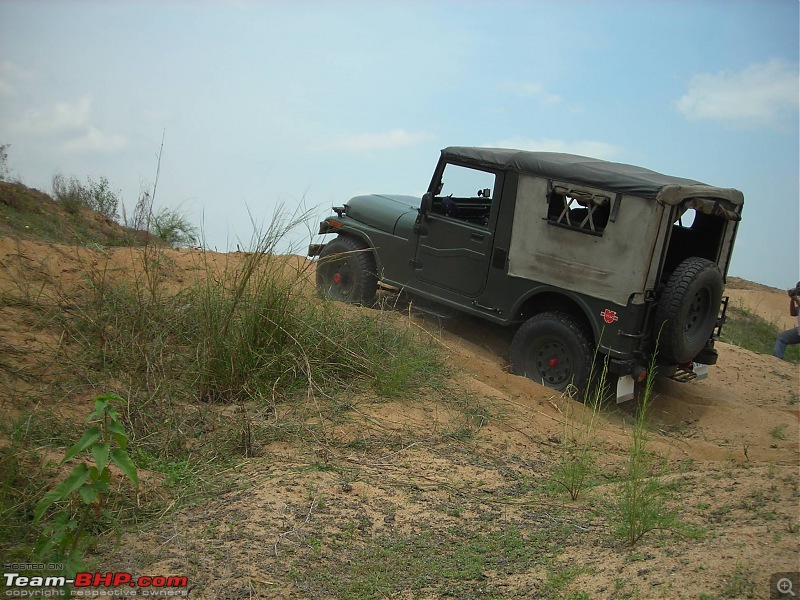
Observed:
{"x":624,"y":389}
{"x":701,"y":371}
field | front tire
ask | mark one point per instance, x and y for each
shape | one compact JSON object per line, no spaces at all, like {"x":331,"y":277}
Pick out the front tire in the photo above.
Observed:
{"x":552,"y":349}
{"x":346,"y":271}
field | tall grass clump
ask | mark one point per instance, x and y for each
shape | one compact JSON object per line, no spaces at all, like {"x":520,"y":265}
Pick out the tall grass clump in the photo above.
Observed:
{"x":261,"y":330}
{"x":249,"y":327}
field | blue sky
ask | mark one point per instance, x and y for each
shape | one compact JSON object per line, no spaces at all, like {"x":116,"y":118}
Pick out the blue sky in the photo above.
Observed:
{"x":263,"y":103}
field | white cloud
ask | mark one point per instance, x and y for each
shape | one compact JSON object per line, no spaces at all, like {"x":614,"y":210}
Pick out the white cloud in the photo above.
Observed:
{"x":63,"y":117}
{"x":757,"y":95}
{"x":10,"y":75}
{"x":70,"y":121}
{"x":96,"y":141}
{"x":394,"y":138}
{"x":534,"y":90}
{"x":591,"y":148}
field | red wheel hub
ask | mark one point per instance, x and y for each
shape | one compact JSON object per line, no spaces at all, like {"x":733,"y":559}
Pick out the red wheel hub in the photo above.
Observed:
{"x":553,"y":362}
{"x":337,"y":278}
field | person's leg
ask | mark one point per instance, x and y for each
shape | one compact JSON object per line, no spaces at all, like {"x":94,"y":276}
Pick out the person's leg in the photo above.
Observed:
{"x":785,"y":338}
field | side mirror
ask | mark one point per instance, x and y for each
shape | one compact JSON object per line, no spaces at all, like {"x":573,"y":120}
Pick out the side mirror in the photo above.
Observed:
{"x":426,"y":206}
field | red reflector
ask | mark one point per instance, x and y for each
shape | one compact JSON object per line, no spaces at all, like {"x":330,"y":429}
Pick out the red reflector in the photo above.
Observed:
{"x":639,"y":373}
{"x":334,"y":223}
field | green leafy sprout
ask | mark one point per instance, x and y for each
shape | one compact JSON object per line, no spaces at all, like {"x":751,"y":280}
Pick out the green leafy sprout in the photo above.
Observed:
{"x":107,"y":442}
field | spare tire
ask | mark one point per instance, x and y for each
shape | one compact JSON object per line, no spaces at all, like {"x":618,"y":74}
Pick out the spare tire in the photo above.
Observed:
{"x":687,"y":309}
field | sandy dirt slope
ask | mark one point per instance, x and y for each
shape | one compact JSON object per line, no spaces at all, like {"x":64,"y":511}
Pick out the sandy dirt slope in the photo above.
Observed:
{"x":736,"y":407}
{"x":767,"y":302}
{"x":404,"y":468}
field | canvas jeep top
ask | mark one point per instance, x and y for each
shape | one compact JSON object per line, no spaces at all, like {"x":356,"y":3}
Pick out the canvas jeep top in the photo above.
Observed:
{"x":580,"y":254}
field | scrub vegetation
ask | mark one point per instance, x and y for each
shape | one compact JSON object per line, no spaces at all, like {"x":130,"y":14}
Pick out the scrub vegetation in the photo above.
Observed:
{"x":245,"y":333}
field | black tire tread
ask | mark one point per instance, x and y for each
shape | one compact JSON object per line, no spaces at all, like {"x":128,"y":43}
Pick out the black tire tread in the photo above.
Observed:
{"x":522,"y":338}
{"x":364,"y":262}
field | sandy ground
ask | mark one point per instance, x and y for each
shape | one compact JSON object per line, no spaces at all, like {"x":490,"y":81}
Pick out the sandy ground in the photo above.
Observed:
{"x":732,"y":442}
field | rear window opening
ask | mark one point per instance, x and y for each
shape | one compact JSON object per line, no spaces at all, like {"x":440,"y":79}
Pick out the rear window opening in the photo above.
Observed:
{"x":686,"y":220}
{"x":693,"y":233}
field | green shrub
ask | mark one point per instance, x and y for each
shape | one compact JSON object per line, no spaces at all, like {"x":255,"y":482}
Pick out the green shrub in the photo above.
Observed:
{"x":172,"y":226}
{"x":95,"y":195}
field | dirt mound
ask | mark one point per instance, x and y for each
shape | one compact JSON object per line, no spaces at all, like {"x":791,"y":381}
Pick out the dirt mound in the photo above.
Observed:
{"x":767,"y":302}
{"x":30,"y":214}
{"x":423,"y":498}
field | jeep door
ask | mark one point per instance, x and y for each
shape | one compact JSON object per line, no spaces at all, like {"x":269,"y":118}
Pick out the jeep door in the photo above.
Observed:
{"x":455,"y":238}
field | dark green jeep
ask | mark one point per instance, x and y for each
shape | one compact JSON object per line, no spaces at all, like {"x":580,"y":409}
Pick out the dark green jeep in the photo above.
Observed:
{"x":579,"y":253}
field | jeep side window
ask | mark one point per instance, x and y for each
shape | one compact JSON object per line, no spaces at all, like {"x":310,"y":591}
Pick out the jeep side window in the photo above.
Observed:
{"x":578,"y":209}
{"x":465,"y":194}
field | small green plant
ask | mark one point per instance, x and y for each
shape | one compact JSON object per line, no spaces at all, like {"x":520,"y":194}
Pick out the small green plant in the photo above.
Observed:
{"x":575,"y":465}
{"x":739,"y":584}
{"x":578,"y":441}
{"x":641,"y":507}
{"x":107,"y":442}
{"x":777,"y":431}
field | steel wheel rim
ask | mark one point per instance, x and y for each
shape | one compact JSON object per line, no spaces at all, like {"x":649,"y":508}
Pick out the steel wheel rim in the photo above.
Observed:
{"x":339,"y":279}
{"x":552,"y":362}
{"x":697,"y":313}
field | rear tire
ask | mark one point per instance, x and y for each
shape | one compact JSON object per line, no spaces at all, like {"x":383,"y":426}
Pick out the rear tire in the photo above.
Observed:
{"x":346,"y":271}
{"x":687,"y":309}
{"x":552,"y":349}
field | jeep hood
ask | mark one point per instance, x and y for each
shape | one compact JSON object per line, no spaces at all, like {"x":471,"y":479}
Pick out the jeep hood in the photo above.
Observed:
{"x":381,"y":211}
